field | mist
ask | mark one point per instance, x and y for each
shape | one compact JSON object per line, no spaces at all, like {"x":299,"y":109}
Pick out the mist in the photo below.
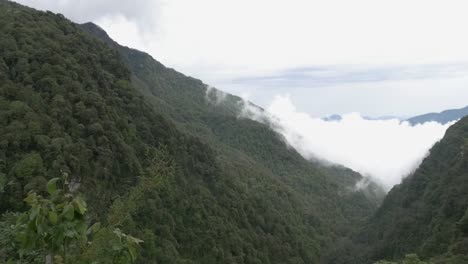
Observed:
{"x":385,"y":151}
{"x":214,"y":96}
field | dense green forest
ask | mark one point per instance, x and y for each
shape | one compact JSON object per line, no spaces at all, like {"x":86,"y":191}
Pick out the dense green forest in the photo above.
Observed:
{"x":426,"y":214}
{"x":108,"y":156}
{"x":198,"y":112}
{"x":152,"y":156}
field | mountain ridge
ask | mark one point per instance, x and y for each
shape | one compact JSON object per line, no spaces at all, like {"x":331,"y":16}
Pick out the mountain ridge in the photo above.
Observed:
{"x":443,"y":117}
{"x":229,"y":190}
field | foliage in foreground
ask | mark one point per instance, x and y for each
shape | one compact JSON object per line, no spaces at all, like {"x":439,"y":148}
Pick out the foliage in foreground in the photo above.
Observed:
{"x":55,"y":229}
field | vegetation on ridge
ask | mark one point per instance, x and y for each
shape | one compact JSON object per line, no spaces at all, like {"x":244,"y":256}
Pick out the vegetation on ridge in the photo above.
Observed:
{"x":70,"y":104}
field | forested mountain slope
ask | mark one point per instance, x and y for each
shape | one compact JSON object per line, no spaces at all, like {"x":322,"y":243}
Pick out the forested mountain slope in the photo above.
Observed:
{"x":226,"y":190}
{"x":215,"y":116}
{"x":427,"y":213}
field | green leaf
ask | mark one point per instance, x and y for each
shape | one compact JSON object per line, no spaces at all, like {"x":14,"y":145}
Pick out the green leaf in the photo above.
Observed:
{"x":31,"y":198}
{"x":53,"y":217}
{"x":40,"y":224}
{"x":68,"y":212}
{"x":94,"y":228}
{"x":70,"y":233}
{"x":80,"y":205}
{"x":22,"y":238}
{"x":34,"y":212}
{"x":52,"y":185}
{"x":133,"y":253}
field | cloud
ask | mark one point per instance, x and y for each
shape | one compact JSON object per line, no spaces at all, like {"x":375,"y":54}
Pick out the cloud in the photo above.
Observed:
{"x":248,"y":36}
{"x":143,"y":12}
{"x":330,"y":75}
{"x":383,"y":150}
{"x":332,"y":56}
{"x":214,"y":96}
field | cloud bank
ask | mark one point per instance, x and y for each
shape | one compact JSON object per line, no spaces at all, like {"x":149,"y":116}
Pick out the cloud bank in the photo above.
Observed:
{"x":214,"y":96}
{"x":143,"y":12}
{"x":383,"y":150}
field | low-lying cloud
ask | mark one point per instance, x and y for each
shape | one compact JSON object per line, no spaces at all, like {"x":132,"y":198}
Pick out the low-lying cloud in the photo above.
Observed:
{"x":384,"y":150}
{"x":214,"y":96}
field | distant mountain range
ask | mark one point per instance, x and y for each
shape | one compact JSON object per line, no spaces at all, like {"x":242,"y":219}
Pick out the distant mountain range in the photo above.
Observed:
{"x":336,"y":117}
{"x":442,"y":117}
{"x":332,"y":118}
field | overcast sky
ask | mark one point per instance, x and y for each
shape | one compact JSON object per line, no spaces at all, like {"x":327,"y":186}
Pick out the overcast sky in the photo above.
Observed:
{"x":376,"y":57}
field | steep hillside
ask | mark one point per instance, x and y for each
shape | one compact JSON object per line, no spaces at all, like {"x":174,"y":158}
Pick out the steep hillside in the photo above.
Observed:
{"x":427,"y":213}
{"x":224,"y":189}
{"x":211,"y":114}
{"x":67,"y":106}
{"x":442,"y":117}
{"x":214,"y":116}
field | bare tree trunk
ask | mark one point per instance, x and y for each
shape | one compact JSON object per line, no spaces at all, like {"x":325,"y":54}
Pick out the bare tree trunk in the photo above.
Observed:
{"x":49,"y":259}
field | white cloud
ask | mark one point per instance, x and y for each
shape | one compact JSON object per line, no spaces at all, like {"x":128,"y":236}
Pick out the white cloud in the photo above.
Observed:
{"x":263,"y":34}
{"x":143,"y":12}
{"x":214,"y":96}
{"x":247,"y":36}
{"x":384,"y":150}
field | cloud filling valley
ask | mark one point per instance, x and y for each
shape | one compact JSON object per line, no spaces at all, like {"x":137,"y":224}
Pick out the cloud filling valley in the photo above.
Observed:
{"x":385,"y":151}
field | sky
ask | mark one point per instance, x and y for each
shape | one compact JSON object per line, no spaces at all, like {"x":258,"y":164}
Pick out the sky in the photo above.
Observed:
{"x":377,"y":57}
{"x":305,"y":59}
